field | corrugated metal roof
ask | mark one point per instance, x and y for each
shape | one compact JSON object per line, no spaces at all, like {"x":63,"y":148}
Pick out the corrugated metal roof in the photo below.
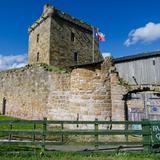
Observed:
{"x":137,"y":56}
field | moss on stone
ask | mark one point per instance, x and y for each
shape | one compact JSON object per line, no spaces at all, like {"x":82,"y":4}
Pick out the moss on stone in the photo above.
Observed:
{"x":52,"y":68}
{"x":46,"y":67}
{"x":124,"y":83}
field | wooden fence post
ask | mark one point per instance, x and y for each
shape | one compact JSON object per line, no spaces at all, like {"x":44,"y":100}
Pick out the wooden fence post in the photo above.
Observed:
{"x":96,"y":134}
{"x":44,"y":134}
{"x":33,"y":136}
{"x":126,"y":129}
{"x":62,"y":127}
{"x":146,"y":136}
{"x":10,"y":127}
{"x":77,"y":119}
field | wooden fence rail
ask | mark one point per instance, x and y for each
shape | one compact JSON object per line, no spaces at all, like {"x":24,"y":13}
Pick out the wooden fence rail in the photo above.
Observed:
{"x":42,"y":132}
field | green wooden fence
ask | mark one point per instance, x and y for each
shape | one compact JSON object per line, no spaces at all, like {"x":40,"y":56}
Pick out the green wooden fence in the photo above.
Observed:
{"x":42,"y":133}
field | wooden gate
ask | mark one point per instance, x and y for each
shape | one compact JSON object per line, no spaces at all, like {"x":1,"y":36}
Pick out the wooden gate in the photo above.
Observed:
{"x":143,"y":105}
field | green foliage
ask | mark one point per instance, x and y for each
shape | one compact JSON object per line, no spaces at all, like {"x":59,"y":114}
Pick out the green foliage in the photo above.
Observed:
{"x":122,"y":82}
{"x":30,"y":66}
{"x":52,"y":68}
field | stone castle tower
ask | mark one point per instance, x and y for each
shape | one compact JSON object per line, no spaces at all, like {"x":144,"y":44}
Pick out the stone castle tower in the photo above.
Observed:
{"x":59,"y":39}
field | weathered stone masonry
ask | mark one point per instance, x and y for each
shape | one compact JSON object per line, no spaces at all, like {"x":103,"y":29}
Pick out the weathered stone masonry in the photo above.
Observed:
{"x":85,"y":93}
{"x":59,"y":39}
{"x":34,"y":93}
{"x":27,"y":91}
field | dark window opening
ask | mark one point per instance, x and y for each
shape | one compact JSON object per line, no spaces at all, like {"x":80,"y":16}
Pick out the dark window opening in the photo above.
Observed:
{"x":38,"y":57}
{"x":75,"y":56}
{"x":72,"y":37}
{"x":37,"y":38}
{"x":154,"y":62}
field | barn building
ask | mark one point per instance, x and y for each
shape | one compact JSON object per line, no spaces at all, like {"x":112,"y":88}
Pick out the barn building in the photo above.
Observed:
{"x":141,"y":71}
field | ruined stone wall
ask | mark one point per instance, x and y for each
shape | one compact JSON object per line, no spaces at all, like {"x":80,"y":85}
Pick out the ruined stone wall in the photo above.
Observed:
{"x":85,"y":93}
{"x":117,"y":96}
{"x":28,"y":91}
{"x":58,"y":97}
{"x":90,"y":94}
{"x":33,"y":92}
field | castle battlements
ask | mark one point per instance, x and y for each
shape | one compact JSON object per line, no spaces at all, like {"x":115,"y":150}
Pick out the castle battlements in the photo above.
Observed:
{"x":49,"y":10}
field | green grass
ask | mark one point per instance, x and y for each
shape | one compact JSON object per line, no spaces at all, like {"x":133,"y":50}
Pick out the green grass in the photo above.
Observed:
{"x":7,"y":118}
{"x":15,"y":125}
{"x":80,"y":156}
{"x":20,"y":126}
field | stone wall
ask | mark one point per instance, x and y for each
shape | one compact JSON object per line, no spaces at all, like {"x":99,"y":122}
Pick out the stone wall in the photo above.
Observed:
{"x":90,"y":94}
{"x":27,"y":91}
{"x":62,"y":49}
{"x":117,"y":96}
{"x":42,"y":45}
{"x":58,"y":97}
{"x":33,"y":92}
{"x":85,"y":93}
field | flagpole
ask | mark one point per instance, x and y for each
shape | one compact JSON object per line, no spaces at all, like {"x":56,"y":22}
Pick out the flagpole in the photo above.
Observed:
{"x":93,"y":58}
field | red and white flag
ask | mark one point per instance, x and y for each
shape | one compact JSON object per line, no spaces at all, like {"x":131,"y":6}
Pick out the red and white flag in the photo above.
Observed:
{"x":100,"y":36}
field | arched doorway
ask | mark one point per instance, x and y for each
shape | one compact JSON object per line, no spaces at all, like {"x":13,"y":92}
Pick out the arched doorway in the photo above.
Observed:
{"x":142,"y":104}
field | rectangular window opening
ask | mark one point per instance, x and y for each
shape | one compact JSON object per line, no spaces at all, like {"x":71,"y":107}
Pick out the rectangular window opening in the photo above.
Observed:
{"x":38,"y":57}
{"x":75,"y":56}
{"x":72,"y":37}
{"x":37,"y":38}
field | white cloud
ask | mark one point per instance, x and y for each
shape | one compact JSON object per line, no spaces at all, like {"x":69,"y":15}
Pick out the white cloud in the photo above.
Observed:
{"x":12,"y":61}
{"x":149,"y":33}
{"x":106,"y":54}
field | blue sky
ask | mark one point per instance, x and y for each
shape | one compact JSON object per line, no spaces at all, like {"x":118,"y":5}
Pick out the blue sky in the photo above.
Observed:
{"x":115,"y":18}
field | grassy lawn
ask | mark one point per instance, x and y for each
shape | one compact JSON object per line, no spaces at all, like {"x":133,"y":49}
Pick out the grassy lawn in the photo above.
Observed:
{"x":16,"y":126}
{"x":7,"y":118}
{"x":25,"y":126}
{"x":83,"y":156}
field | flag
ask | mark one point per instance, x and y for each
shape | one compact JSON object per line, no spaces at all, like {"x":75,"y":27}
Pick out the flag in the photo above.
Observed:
{"x":100,"y":36}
